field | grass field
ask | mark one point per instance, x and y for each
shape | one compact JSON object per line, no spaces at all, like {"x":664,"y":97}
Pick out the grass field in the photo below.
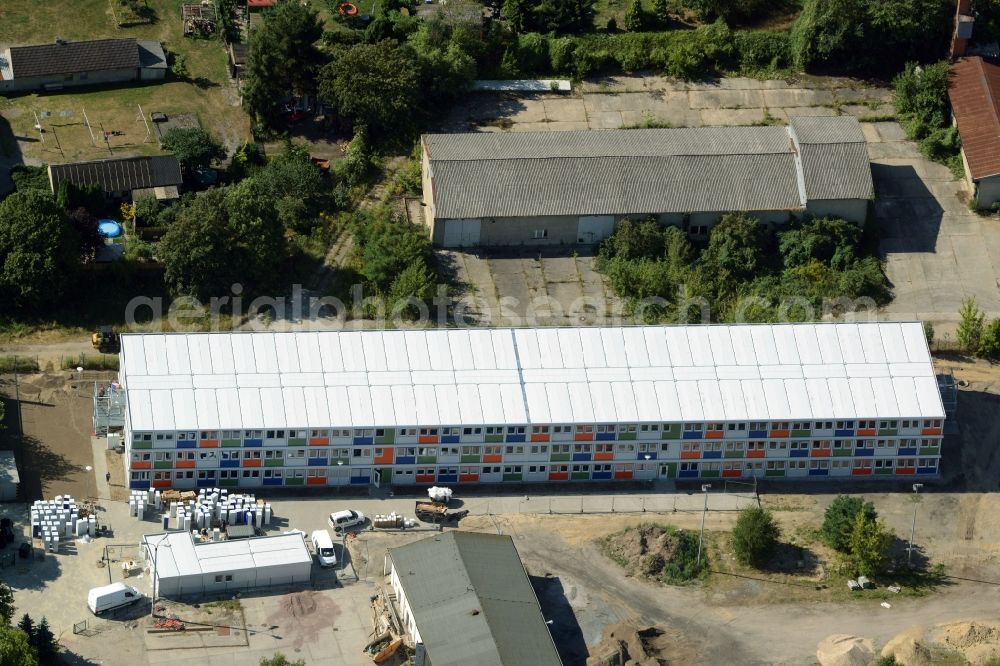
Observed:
{"x":207,"y":90}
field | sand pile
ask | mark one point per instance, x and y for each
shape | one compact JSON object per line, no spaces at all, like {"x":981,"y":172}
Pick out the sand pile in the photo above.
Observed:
{"x":845,"y":650}
{"x":625,"y":644}
{"x":909,"y":648}
{"x":643,"y":549}
{"x":976,"y":641}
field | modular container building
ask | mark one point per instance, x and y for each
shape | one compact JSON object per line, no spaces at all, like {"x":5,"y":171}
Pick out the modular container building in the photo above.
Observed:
{"x":530,"y":405}
{"x":183,"y":567}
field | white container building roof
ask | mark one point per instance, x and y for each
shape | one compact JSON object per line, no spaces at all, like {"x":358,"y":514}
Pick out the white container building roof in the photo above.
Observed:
{"x":522,"y":376}
{"x":180,"y":556}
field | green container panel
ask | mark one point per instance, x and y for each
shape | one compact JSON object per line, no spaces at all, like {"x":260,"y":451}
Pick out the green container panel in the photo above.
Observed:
{"x":624,"y":436}
{"x":710,"y":474}
{"x":228,"y":483}
{"x":733,"y":454}
{"x":673,"y":432}
{"x":888,"y":431}
{"x":298,"y":441}
{"x":274,"y":462}
{"x":774,"y":472}
{"x":841,"y":453}
{"x":580,"y":476}
{"x":493,"y":438}
{"x":386,"y":474}
{"x":137,"y":444}
{"x":388,"y":438}
{"x":295,"y":481}
{"x":883,"y":471}
{"x":801,"y":433}
{"x":470,"y":459}
{"x":426,"y":460}
{"x":559,"y":457}
{"x":163,"y":464}
{"x":930,"y":451}
{"x":671,"y":470}
{"x":232,"y":443}
{"x":512,"y":477}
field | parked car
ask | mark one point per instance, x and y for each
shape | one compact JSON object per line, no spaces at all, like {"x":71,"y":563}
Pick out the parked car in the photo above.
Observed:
{"x":341,"y":520}
{"x":324,"y":548}
{"x":109,"y":597}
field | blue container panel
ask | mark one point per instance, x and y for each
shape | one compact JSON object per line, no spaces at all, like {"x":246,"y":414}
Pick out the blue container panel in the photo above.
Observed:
{"x":687,"y":474}
{"x":272,"y":482}
{"x":187,"y":444}
{"x":819,"y":472}
{"x":229,"y":463}
{"x":605,"y":437}
{"x":450,"y":439}
{"x":206,"y":483}
{"x":758,"y":434}
{"x":843,"y":433}
{"x":927,"y":470}
{"x":364,"y":440}
{"x":864,"y":452}
{"x":908,"y":452}
{"x":318,"y":462}
{"x":515,"y":438}
{"x":798,"y":453}
{"x":253,"y":442}
{"x":139,"y":485}
{"x":651,"y":454}
{"x":360,"y":480}
{"x":711,"y":454}
{"x":601,"y":476}
{"x":581,"y":456}
{"x":447,"y":478}
{"x":692,"y":435}
{"x":406,"y":460}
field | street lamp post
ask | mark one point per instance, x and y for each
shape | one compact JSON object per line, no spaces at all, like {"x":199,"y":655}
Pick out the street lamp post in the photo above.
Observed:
{"x":156,"y":551}
{"x":913,"y":526}
{"x":701,"y":535}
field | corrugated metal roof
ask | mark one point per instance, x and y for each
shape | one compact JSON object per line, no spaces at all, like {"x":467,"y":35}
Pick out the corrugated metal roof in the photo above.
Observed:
{"x":637,"y":172}
{"x":119,"y":174}
{"x":181,"y":556}
{"x":72,"y":57}
{"x":643,"y":374}
{"x":974,"y":90}
{"x":472,"y":601}
{"x":615,"y":185}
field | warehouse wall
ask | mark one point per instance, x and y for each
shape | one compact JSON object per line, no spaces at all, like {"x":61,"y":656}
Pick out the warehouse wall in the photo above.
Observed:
{"x":987,"y":191}
{"x":84,"y":79}
{"x":854,"y":210}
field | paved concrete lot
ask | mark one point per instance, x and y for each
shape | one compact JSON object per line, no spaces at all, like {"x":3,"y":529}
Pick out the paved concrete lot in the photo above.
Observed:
{"x":623,"y":101}
{"x":937,"y":250}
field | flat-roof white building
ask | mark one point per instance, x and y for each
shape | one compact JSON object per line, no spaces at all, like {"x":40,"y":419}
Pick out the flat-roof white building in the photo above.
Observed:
{"x":182,"y":566}
{"x":530,"y":404}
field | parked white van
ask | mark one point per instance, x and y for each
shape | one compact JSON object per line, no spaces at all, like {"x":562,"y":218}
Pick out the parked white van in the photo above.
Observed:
{"x":324,"y":548}
{"x":109,"y":597}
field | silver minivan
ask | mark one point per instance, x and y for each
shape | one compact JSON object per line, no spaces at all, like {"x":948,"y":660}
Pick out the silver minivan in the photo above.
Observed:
{"x":324,"y":548}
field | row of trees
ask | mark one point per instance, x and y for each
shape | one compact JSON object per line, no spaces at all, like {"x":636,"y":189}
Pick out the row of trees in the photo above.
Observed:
{"x":746,"y":272}
{"x":27,"y":644}
{"x":976,"y":336}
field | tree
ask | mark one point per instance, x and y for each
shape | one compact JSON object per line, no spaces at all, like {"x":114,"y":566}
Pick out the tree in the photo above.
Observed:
{"x":283,"y":58}
{"x":85,"y":226}
{"x":389,"y":249}
{"x":832,"y":241}
{"x":922,"y":94}
{"x":416,"y":282}
{"x":634,"y":16}
{"x":989,"y":341}
{"x":970,"y":326}
{"x":661,"y":10}
{"x":375,"y":85}
{"x":39,"y":250}
{"x":27,"y":625}
{"x":736,"y":247}
{"x":868,"y":545}
{"x":14,"y":648}
{"x":755,"y":536}
{"x":280,"y":660}
{"x":839,"y":519}
{"x":193,"y":146}
{"x":566,"y":16}
{"x":45,"y":643}
{"x":519,"y":14}
{"x":728,"y":10}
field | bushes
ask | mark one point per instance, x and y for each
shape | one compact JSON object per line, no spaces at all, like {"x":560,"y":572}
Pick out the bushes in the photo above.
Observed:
{"x":839,"y":520}
{"x":754,"y":536}
{"x":762,"y":53}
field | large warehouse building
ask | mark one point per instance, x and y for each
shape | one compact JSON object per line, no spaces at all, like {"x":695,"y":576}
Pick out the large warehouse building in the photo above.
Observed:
{"x":528,"y":405}
{"x":544,"y":188}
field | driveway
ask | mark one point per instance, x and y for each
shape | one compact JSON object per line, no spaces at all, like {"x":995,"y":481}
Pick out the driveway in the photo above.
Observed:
{"x":937,"y":251}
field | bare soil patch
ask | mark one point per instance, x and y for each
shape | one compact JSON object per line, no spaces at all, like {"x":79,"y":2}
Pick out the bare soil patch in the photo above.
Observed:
{"x":629,"y":643}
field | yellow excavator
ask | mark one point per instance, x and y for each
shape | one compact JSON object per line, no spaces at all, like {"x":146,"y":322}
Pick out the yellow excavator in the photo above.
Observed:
{"x":106,"y":341}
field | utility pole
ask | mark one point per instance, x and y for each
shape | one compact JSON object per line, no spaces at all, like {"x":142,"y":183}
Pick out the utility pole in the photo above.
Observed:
{"x":701,"y":535}
{"x":89,"y":128}
{"x":913,"y":526}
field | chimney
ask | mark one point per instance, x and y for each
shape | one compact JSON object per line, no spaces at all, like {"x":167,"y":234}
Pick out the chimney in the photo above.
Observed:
{"x":963,"y":29}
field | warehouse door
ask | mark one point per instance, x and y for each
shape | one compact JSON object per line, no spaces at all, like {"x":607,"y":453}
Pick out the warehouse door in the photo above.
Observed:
{"x":595,"y":228}
{"x":461,"y":233}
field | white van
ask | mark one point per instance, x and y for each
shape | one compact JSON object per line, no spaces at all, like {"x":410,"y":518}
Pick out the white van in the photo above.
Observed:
{"x":109,"y":597}
{"x":324,"y":548}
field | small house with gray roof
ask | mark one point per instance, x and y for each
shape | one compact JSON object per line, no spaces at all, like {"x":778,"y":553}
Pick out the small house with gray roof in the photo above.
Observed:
{"x":62,"y":64}
{"x":544,"y":188}
{"x":464,"y":598}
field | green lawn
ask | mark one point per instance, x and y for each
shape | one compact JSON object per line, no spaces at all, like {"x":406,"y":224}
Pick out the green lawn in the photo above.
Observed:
{"x":207,"y":90}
